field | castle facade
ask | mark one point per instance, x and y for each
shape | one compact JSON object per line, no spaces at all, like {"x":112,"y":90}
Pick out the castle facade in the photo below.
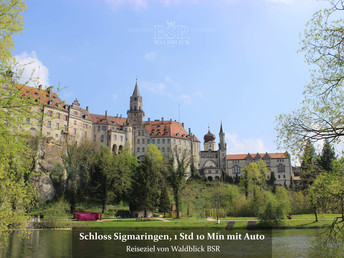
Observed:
{"x":62,"y":122}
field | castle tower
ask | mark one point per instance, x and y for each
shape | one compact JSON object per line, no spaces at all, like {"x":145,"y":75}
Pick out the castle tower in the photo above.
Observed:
{"x":209,"y":141}
{"x":222,"y":149}
{"x":135,"y":113}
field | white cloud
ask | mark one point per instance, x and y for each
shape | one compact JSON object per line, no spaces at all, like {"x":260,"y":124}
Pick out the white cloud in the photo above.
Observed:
{"x":155,"y":87}
{"x":186,"y":98}
{"x":31,"y":69}
{"x":114,"y":96}
{"x":244,"y":145}
{"x":136,"y":4}
{"x":151,"y":55}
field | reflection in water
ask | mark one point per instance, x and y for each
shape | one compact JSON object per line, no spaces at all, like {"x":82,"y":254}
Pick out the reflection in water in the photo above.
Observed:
{"x":41,"y":244}
{"x":61,"y":243}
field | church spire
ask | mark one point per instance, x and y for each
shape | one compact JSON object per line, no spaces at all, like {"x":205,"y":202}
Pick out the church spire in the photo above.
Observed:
{"x":136,"y":92}
{"x":221,"y":131}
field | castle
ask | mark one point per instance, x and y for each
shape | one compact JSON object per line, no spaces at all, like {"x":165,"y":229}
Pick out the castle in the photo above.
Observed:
{"x":61,"y":121}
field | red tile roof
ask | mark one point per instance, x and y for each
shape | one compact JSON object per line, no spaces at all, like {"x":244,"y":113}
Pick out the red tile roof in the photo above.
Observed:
{"x":167,"y":128}
{"x":111,"y":120}
{"x":40,"y":96}
{"x":243,"y":156}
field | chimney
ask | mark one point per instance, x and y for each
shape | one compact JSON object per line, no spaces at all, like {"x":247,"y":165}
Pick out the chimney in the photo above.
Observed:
{"x":183,"y":125}
{"x":87,"y":108}
{"x":189,"y":131}
{"x":40,"y":87}
{"x":162,"y":120}
{"x":148,"y":120}
{"x":170,"y":119}
{"x":121,"y":115}
{"x":117,"y":115}
{"x":105,"y":114}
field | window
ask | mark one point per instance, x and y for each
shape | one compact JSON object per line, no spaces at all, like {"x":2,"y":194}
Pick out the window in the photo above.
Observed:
{"x":138,"y":149}
{"x":85,"y":134}
{"x":86,"y":126}
{"x":65,"y":118}
{"x":143,"y":149}
{"x":58,"y":115}
{"x":104,"y":128}
{"x":102,"y":138}
{"x":184,"y":143}
{"x":121,"y":138}
{"x":98,"y":128}
{"x":139,"y":133}
{"x":56,"y":135}
{"x":57,"y":126}
{"x":163,"y":140}
{"x":138,"y":141}
{"x":148,"y":141}
{"x":115,"y":137}
{"x":143,"y":141}
{"x":158,"y":141}
{"x":236,"y":170}
{"x":65,"y":128}
{"x":74,"y":131}
{"x":75,"y":122}
{"x":50,"y":113}
{"x":174,"y":141}
{"x":168,"y":140}
{"x":280,"y":168}
{"x":75,"y":113}
{"x":163,"y":149}
{"x":94,"y":137}
{"x":49,"y":124}
{"x":179,"y":142}
{"x":168,"y":149}
{"x":153,"y":141}
{"x":279,"y":176}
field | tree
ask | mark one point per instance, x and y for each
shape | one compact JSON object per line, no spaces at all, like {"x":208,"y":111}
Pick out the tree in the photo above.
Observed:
{"x":309,"y":169}
{"x":11,"y":21}
{"x":146,"y":181}
{"x":176,"y":177}
{"x":254,"y":176}
{"x":321,"y":114}
{"x":327,"y":156}
{"x":78,"y":161}
{"x":17,"y":193}
{"x":164,"y":201}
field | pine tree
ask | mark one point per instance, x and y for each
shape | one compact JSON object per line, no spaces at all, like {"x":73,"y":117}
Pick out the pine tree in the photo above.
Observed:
{"x":164,"y":204}
{"x":309,"y":169}
{"x":327,"y":156}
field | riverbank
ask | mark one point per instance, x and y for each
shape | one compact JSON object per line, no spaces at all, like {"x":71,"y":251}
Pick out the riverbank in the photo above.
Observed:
{"x":304,"y":221}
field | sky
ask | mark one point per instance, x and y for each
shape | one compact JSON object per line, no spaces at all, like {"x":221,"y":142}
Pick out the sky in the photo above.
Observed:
{"x":200,"y":62}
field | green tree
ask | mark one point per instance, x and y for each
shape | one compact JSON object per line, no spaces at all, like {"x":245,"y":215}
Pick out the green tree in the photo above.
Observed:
{"x":78,"y":162}
{"x":328,"y":155}
{"x":11,"y":22}
{"x":309,"y":169}
{"x":254,"y":176}
{"x":176,"y":177}
{"x":146,"y":182}
{"x":321,"y":114}
{"x":125,"y":166}
{"x":164,"y":201}
{"x":17,"y":193}
{"x":275,"y":206}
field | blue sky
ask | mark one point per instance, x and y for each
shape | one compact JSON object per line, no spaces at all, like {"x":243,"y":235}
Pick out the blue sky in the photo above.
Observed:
{"x":233,"y":61}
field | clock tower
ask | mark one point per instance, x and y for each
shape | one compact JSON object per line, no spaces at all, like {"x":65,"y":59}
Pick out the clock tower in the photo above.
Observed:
{"x":135,"y":113}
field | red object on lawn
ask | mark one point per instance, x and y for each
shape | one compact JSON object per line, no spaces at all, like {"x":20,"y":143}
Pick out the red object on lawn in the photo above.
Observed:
{"x":87,"y":216}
